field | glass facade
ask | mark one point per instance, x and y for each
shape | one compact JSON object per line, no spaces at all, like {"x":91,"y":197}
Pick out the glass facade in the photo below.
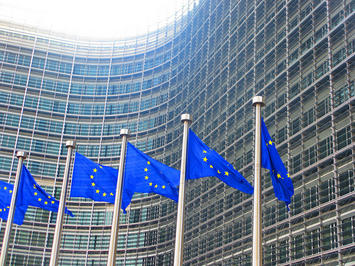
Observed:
{"x":299,"y":54}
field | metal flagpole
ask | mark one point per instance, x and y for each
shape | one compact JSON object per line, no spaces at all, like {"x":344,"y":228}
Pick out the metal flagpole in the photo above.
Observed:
{"x":179,"y":239}
{"x":111,"y":261}
{"x":70,"y":144}
{"x":21,"y":155}
{"x":258,"y":102}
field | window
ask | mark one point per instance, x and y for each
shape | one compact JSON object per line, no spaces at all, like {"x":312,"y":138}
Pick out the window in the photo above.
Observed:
{"x":311,"y":197}
{"x":327,"y":191}
{"x":297,"y":247}
{"x":312,"y":242}
{"x":283,"y":251}
{"x":329,"y":236}
{"x":323,"y":107}
{"x":325,"y":147}
{"x":343,"y":138}
{"x":310,"y":156}
{"x":348,"y":230}
{"x":322,"y":69}
{"x":295,"y":126}
{"x":341,"y":95}
{"x":296,"y":163}
{"x":308,"y":117}
{"x":346,"y":180}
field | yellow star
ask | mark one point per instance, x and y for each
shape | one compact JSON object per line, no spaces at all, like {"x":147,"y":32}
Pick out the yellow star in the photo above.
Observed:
{"x":163,"y":187}
{"x":145,"y":169}
{"x":5,"y":188}
{"x":45,"y":202}
{"x":204,"y":151}
{"x":266,"y":143}
{"x":218,"y":171}
{"x":39,"y":199}
{"x":148,"y":162}
{"x":146,"y":177}
{"x":52,"y":201}
{"x":4,"y":210}
{"x":111,"y":194}
{"x":0,"y":210}
{"x":156,"y":186}
{"x":205,"y":159}
{"x":104,"y":194}
{"x":288,"y":175}
{"x":150,"y":184}
{"x":10,"y":191}
{"x":97,"y":191}
{"x":35,"y":193}
{"x":211,"y":166}
{"x":92,"y":177}
{"x":93,"y":184}
{"x":278,"y":176}
{"x":95,"y":170}
{"x":270,"y":142}
{"x":8,"y":207}
{"x":226,"y":173}
{"x":34,"y":186}
{"x":49,"y":197}
{"x":100,"y":166}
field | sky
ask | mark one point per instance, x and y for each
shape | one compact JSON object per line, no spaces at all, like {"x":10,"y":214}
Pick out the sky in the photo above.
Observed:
{"x":101,"y":19}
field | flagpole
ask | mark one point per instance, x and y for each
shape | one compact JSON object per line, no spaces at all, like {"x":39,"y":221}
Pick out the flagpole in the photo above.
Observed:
{"x":111,"y":260}
{"x":21,"y":155}
{"x":70,"y":144}
{"x":258,"y":102}
{"x":179,"y":239}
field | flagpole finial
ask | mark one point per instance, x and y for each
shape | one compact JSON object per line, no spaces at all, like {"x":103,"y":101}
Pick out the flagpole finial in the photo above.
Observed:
{"x":124,"y":132}
{"x":258,"y":100}
{"x":21,"y":154}
{"x":186,"y":117}
{"x":70,"y":143}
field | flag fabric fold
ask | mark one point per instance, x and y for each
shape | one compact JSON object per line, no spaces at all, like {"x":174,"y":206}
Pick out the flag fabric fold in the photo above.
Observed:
{"x":31,"y":194}
{"x":270,"y":159}
{"x":146,"y":175}
{"x":93,"y":181}
{"x":6,"y":190}
{"x":202,"y":161}
{"x":141,"y":174}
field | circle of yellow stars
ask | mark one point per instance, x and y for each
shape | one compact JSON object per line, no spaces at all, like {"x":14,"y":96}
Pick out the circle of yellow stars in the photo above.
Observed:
{"x":226,"y":173}
{"x":10,"y":192}
{"x":50,"y":199}
{"x":278,"y":175}
{"x":93,"y":184}
{"x":146,"y":177}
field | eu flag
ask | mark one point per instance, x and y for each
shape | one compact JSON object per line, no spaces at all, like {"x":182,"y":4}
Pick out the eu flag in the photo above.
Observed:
{"x":202,"y":161}
{"x":31,"y":194}
{"x":6,"y":190}
{"x":270,"y":159}
{"x":93,"y":181}
{"x":145,"y":175}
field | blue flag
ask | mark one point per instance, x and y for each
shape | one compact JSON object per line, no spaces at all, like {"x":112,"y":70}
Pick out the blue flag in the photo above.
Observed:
{"x":93,"y":181}
{"x":270,"y":159}
{"x":31,"y":194}
{"x":146,"y":175}
{"x":203,"y":161}
{"x":5,"y":201}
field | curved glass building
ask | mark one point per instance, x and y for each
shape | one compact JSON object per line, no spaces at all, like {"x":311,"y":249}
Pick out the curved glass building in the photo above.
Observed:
{"x":299,"y":54}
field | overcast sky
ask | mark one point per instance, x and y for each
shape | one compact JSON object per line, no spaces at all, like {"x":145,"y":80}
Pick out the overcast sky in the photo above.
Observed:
{"x":102,"y":19}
